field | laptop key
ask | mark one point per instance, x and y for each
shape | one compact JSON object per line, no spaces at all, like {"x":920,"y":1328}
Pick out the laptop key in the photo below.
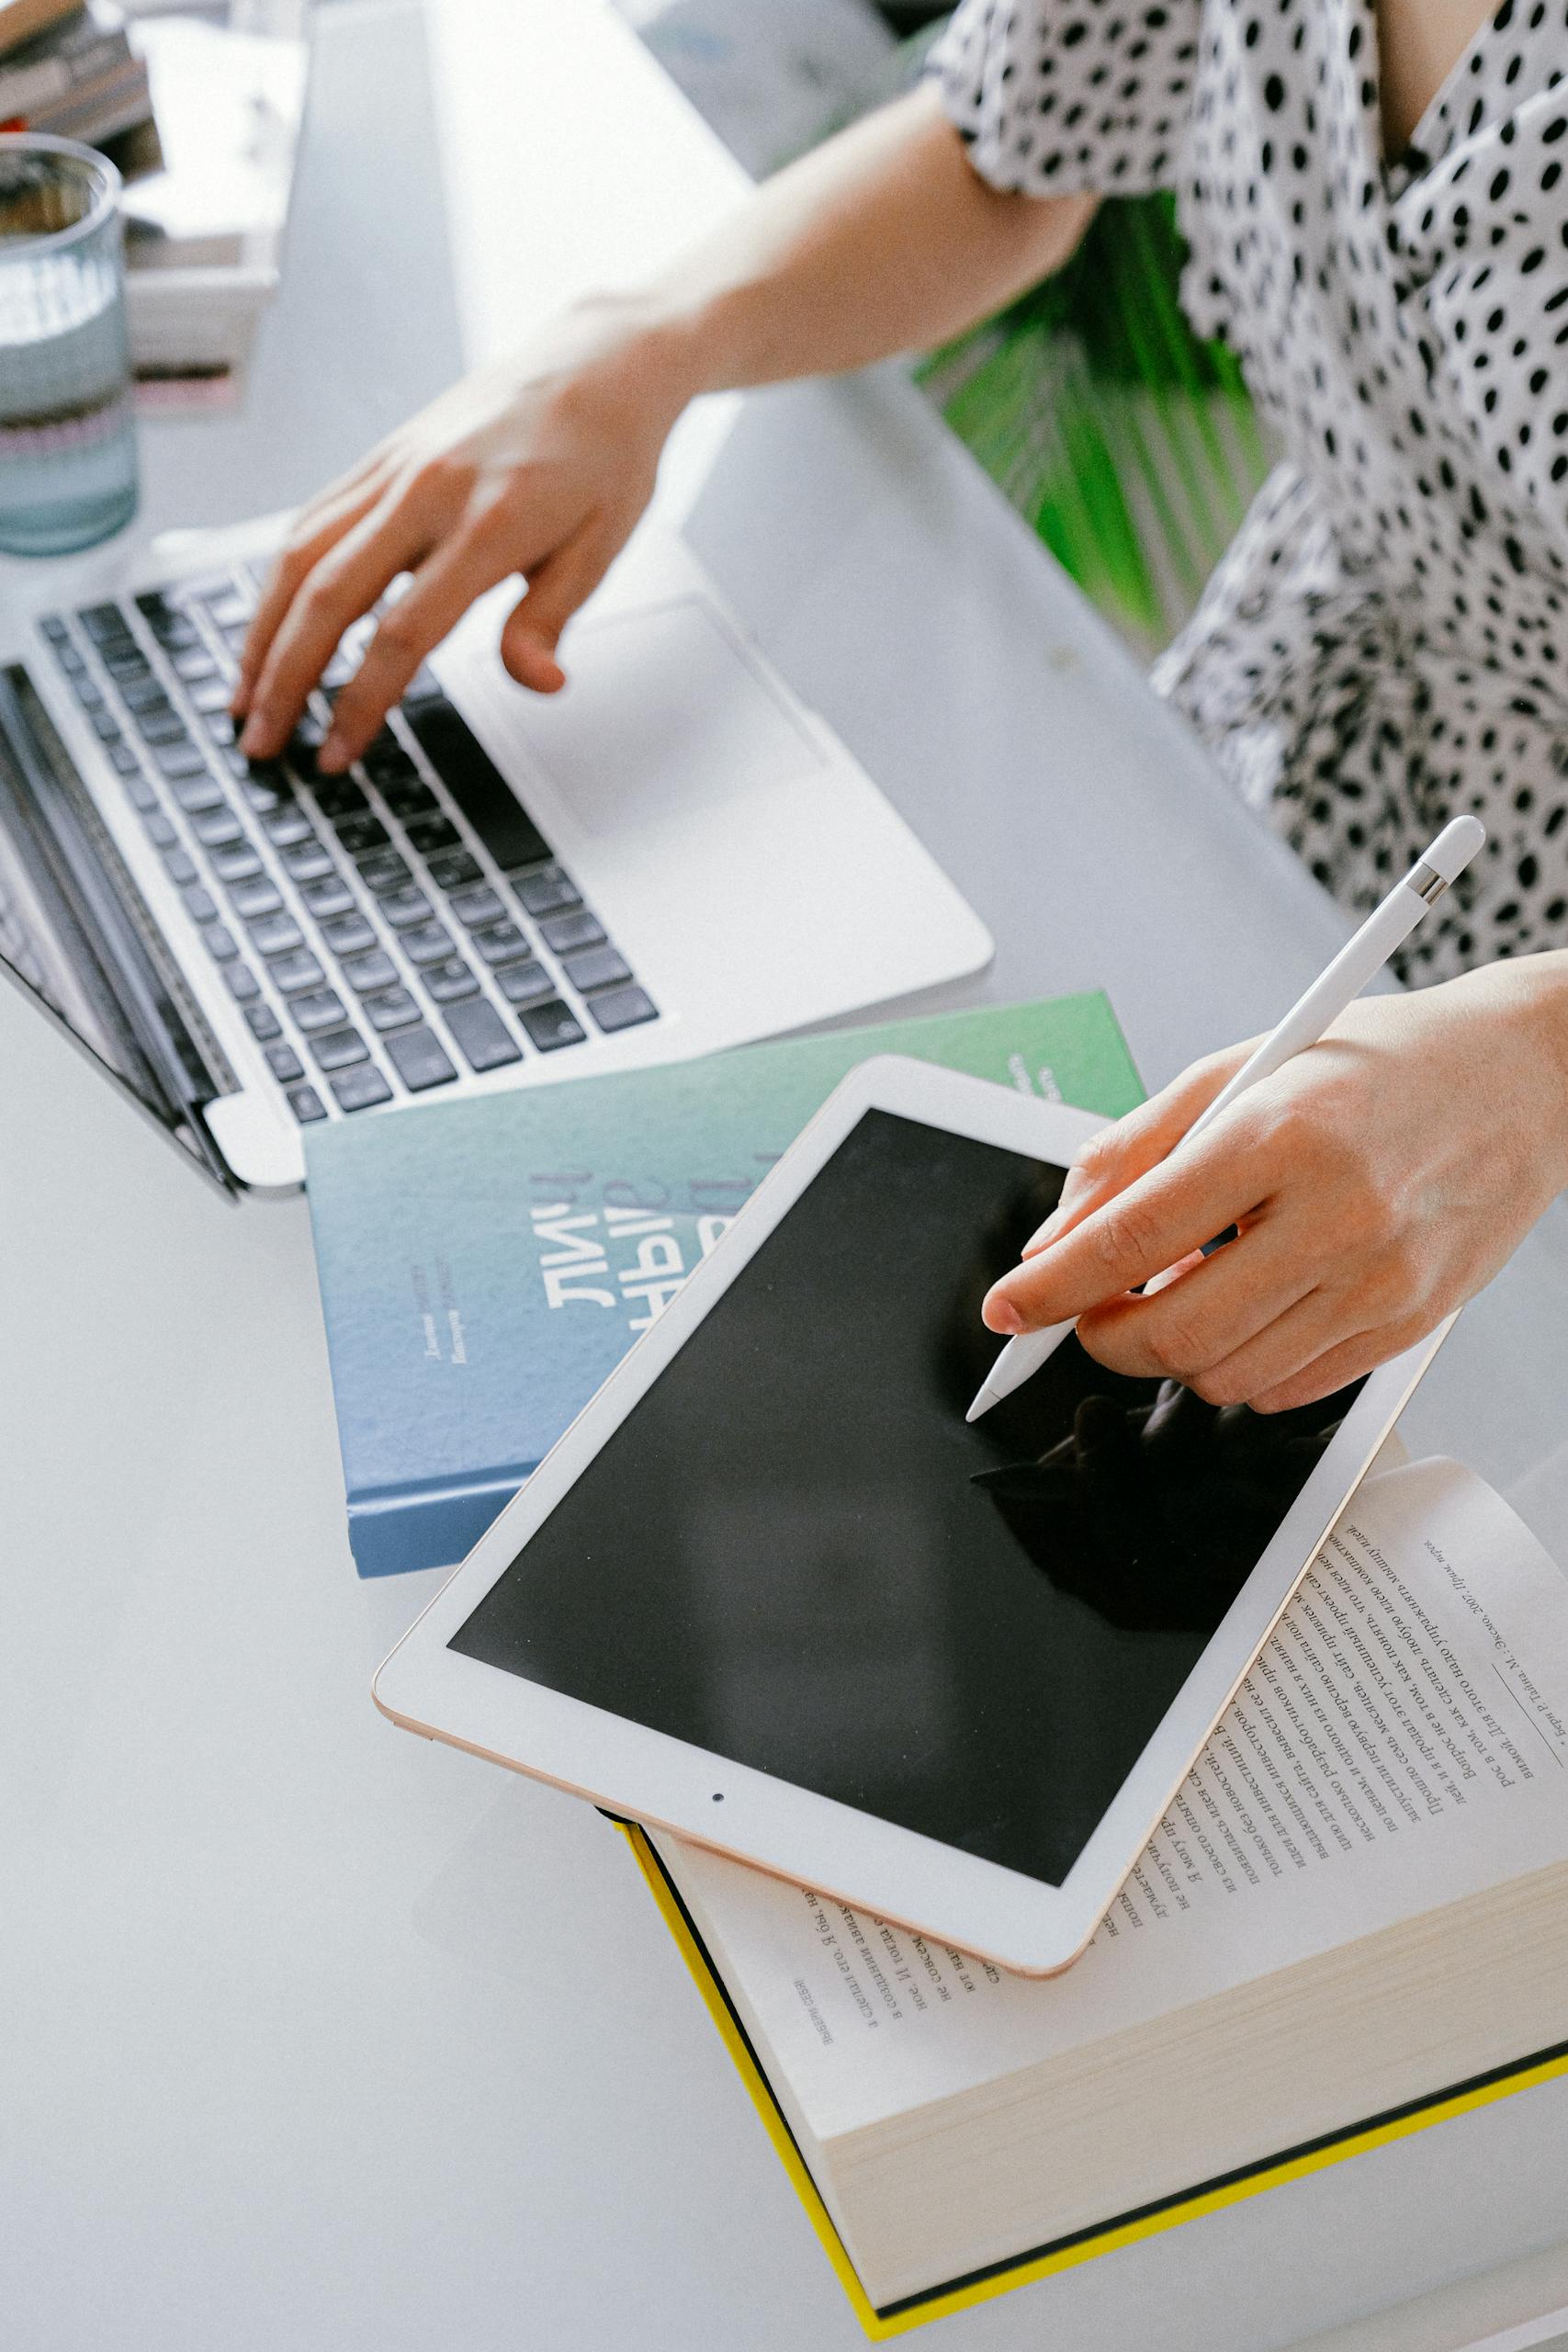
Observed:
{"x":503,"y":943}
{"x":287,"y":826}
{"x":277,"y":935}
{"x":140,"y":794}
{"x":406,"y":795}
{"x":338,"y":1047}
{"x":306,"y":861}
{"x":474,"y":783}
{"x":168,"y":626}
{"x":266,"y":788}
{"x":384,"y":870}
{"x":365,"y":973}
{"x":598,"y":967}
{"x":450,"y":868}
{"x":427,"y":942}
{"x":211,"y":696}
{"x":483,"y":1037}
{"x":339,"y":795}
{"x":181,"y":759}
{"x":622,"y":1008}
{"x":565,"y":933}
{"x":161,"y":724}
{"x":222,"y":945}
{"x":384,"y":758}
{"x":545,"y":891}
{"x":306,"y":1104}
{"x":445,"y":983}
{"x":551,"y":1025}
{"x":476,"y":906}
{"x":524,"y":983}
{"x":296,"y":970}
{"x":217,"y":828}
{"x":263,"y":1022}
{"x":194,"y":664}
{"x":244,"y":985}
{"x":179,"y":865}
{"x":235,"y":863}
{"x":195,"y":793}
{"x":220,"y":725}
{"x":347,"y":933}
{"x":359,"y":1089}
{"x":143,"y":693}
{"x":123,"y":760}
{"x":361,"y":833}
{"x":322,"y":1010}
{"x":284,"y":1063}
{"x":432,"y":831}
{"x":394,"y":1008}
{"x":404,"y":907}
{"x":103,"y":621}
{"x":255,"y":896}
{"x":330,"y":896}
{"x":200,"y":904}
{"x":420,"y":1059}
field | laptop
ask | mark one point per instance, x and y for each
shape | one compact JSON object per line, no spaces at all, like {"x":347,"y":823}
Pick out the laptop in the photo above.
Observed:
{"x":672,"y":857}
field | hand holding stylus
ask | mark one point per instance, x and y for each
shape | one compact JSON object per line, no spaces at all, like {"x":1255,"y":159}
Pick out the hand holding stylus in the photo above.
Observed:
{"x":1377,"y":1181}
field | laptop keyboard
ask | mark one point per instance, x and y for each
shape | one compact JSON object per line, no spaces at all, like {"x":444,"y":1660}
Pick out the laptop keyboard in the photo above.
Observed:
{"x":382,"y":930}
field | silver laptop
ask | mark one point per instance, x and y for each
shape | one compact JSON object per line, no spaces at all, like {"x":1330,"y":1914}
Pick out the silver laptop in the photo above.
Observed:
{"x":670,"y":856}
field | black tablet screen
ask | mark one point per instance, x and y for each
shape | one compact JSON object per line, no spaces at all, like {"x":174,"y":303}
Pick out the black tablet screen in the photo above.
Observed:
{"x":795,"y":1551}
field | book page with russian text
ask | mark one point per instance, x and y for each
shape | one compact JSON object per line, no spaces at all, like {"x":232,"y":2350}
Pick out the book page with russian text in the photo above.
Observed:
{"x":1400,"y":1742}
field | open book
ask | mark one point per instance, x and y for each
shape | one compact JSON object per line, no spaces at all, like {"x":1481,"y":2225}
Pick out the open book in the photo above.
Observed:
{"x":1357,"y":1901}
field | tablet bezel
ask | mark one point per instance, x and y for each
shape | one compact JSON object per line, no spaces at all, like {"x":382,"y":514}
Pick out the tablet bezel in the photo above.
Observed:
{"x":893,"y":1872}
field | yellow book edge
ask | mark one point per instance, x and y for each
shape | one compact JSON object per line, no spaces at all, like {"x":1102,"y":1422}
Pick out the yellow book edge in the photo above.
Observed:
{"x":1045,"y":2262}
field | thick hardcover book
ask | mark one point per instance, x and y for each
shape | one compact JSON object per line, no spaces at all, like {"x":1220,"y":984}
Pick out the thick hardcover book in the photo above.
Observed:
{"x":485,"y":1265}
{"x":1352,"y":1924}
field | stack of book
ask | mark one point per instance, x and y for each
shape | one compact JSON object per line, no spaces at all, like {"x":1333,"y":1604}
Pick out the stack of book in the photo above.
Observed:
{"x":71,"y":70}
{"x":206,"y":202}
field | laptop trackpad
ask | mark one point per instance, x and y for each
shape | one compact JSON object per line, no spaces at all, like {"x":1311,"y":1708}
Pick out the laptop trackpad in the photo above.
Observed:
{"x":663,"y":709}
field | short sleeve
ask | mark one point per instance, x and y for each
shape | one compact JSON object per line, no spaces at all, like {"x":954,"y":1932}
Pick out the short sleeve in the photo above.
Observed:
{"x":1058,"y":97}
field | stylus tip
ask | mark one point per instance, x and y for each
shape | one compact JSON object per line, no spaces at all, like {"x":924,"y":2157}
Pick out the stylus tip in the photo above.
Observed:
{"x":982,"y":1404}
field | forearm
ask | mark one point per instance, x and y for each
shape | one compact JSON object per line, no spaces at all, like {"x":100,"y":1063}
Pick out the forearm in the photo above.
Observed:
{"x":884,"y":240}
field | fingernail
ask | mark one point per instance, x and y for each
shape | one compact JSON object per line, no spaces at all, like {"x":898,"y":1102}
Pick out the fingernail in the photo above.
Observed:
{"x":1002,"y":1316}
{"x":253,"y":736}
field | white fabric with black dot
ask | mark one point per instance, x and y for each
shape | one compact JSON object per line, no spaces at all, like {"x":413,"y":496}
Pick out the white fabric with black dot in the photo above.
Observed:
{"x":1385,"y":643}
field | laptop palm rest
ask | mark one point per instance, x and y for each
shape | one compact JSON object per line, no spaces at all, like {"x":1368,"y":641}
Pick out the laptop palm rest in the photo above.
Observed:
{"x":663,"y":710}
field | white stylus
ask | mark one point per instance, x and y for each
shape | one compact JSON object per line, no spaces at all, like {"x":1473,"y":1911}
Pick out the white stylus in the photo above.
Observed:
{"x":1357,"y":963}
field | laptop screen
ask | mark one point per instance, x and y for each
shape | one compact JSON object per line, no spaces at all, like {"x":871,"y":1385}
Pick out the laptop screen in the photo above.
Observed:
{"x":55,"y":924}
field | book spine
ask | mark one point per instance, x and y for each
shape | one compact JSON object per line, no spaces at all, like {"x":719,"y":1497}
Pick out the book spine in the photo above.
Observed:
{"x":49,"y":81}
{"x":393,"y":1530}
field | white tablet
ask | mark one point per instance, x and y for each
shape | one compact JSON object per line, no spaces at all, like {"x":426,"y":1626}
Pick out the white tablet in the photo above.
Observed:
{"x":773,"y":1592}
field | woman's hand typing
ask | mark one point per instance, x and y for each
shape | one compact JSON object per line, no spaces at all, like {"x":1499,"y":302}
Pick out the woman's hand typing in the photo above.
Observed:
{"x":539,"y":465}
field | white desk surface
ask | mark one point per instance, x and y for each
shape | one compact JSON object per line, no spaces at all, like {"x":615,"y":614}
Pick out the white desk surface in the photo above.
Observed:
{"x":315,"y":2037}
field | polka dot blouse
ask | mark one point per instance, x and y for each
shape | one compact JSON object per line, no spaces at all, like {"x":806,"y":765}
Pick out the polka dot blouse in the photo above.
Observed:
{"x":1385,"y":643}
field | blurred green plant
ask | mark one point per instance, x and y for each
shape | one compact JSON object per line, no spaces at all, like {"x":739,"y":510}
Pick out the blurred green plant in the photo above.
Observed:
{"x":1129,"y":444}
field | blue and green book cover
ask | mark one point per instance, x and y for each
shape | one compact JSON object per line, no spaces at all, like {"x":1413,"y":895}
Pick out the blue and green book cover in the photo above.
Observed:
{"x":485,"y":1265}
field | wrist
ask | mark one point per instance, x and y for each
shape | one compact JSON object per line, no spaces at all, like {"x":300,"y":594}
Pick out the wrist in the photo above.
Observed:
{"x":639,"y":346}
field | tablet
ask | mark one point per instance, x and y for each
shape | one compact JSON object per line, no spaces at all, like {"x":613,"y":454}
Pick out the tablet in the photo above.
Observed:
{"x":772,"y":1592}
